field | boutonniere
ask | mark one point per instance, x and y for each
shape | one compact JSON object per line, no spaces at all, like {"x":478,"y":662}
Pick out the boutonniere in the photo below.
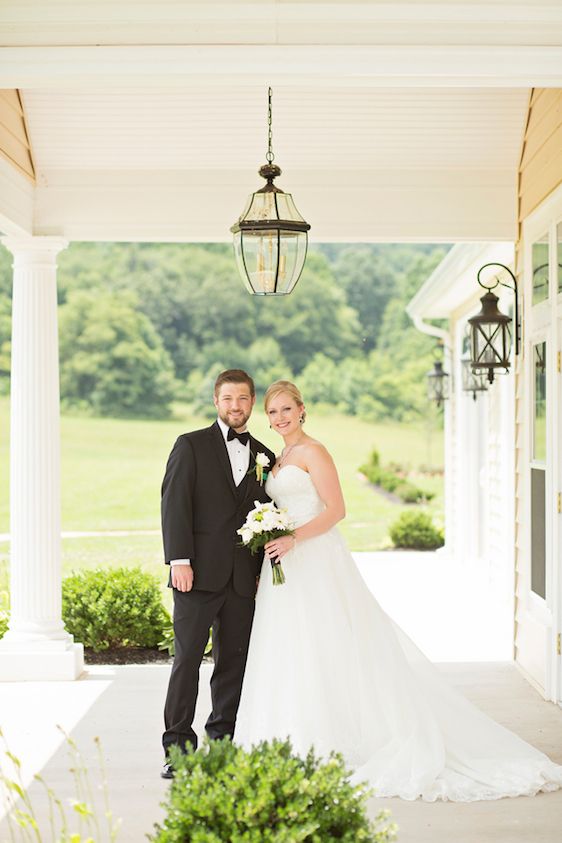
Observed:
{"x":262,"y":461}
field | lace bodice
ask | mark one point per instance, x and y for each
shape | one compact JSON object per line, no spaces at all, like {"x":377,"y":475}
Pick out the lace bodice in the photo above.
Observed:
{"x":292,"y":489}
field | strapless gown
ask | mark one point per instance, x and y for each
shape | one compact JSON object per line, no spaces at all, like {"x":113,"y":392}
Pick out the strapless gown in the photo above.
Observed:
{"x":327,"y":667}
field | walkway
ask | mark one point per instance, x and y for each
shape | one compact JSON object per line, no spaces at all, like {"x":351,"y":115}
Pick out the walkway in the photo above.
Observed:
{"x":123,"y":705}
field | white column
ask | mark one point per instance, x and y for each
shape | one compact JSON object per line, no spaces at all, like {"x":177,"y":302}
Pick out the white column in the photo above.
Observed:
{"x":36,"y":645}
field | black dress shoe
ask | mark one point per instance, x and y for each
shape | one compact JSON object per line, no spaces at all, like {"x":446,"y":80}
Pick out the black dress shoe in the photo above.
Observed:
{"x":167,"y":771}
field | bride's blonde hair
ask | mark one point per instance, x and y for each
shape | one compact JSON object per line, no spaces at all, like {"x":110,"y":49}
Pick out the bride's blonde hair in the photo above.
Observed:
{"x":277,"y":388}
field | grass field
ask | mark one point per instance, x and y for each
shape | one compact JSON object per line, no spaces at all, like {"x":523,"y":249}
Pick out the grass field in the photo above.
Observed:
{"x":112,"y":470}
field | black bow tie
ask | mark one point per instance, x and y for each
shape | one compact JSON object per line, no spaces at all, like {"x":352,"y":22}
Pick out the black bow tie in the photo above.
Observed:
{"x":243,"y":437}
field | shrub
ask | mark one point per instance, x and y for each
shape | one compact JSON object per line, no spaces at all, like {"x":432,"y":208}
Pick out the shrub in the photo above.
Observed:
{"x":391,"y":478}
{"x":416,"y":530}
{"x":114,"y":607}
{"x":4,"y":612}
{"x":266,"y":794}
{"x":410,"y":493}
{"x":169,"y":642}
{"x":375,"y":458}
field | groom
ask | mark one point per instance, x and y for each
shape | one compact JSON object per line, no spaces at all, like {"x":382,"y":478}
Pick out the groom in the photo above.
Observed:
{"x":209,"y":487}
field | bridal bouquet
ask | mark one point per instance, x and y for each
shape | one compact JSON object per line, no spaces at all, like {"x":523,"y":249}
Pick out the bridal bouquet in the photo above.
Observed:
{"x":263,"y":523}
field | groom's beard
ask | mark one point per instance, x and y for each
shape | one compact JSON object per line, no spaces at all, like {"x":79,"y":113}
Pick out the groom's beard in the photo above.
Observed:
{"x":236,"y":421}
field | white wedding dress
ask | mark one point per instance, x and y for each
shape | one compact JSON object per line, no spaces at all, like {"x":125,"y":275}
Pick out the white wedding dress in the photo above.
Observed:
{"x":327,"y":667}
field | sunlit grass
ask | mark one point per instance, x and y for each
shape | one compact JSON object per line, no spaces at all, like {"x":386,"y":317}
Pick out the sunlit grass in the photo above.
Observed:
{"x":112,"y":470}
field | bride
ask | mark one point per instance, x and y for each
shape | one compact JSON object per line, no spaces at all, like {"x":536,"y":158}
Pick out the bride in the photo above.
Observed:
{"x":327,"y":667}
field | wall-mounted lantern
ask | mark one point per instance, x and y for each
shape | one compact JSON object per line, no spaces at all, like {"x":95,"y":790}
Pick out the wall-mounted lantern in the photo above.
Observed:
{"x":490,"y":332}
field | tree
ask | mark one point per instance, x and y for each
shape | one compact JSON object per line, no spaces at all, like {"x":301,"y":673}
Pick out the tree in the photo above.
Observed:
{"x":111,"y":359}
{"x":369,"y":285}
{"x":314,"y":319}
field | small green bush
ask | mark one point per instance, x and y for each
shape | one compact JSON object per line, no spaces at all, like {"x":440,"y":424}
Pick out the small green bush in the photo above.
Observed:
{"x":4,"y":612}
{"x":392,"y":478}
{"x":225,"y":793}
{"x":114,"y":607}
{"x":169,"y":642}
{"x":409,"y":493}
{"x":416,"y":530}
{"x":375,"y":458}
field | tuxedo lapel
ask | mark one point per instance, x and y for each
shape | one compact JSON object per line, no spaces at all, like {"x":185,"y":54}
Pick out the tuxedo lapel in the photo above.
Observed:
{"x":222,"y":454}
{"x":252,"y":479}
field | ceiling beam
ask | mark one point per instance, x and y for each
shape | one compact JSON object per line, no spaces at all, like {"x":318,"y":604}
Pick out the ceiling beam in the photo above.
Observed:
{"x":313,"y":65}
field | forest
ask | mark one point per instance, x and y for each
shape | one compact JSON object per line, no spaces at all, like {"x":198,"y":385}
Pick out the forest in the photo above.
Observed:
{"x":144,"y":326}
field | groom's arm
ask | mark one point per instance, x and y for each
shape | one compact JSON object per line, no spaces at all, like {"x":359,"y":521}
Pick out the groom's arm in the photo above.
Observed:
{"x":177,"y":502}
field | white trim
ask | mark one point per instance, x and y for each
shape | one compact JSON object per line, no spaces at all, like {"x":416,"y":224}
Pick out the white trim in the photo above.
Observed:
{"x":311,"y":64}
{"x":193,"y":206}
{"x":445,"y":290}
{"x":542,"y":323}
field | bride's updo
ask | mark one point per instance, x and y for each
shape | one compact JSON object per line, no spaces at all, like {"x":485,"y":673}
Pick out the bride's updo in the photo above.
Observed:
{"x":277,"y":387}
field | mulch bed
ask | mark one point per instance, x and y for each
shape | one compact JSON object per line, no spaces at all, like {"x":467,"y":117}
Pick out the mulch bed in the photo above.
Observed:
{"x":131,"y":655}
{"x":127,"y":655}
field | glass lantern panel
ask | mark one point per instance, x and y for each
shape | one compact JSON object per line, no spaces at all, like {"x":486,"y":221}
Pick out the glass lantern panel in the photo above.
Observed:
{"x":262,"y":207}
{"x":431,"y":388}
{"x":540,"y":269}
{"x":247,"y":206}
{"x":239,"y":255}
{"x":287,"y":209}
{"x":485,"y":351}
{"x":261,"y":254}
{"x":539,"y":408}
{"x":437,"y":386}
{"x":293,"y":254}
{"x":471,"y":381}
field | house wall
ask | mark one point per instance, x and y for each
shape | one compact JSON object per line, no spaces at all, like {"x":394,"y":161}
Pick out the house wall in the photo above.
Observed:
{"x":540,"y":173}
{"x":14,"y":141}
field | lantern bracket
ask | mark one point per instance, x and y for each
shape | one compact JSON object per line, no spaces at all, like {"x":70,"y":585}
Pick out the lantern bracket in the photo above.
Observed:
{"x":509,"y":287}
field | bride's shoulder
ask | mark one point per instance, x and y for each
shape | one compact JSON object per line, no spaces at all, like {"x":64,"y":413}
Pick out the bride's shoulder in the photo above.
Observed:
{"x":315,"y":451}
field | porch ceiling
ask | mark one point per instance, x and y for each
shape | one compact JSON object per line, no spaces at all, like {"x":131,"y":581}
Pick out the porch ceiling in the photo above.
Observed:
{"x":398,"y":121}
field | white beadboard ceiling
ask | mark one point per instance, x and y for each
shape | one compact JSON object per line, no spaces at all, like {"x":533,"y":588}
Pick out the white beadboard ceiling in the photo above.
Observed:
{"x":391,"y":121}
{"x":345,"y":129}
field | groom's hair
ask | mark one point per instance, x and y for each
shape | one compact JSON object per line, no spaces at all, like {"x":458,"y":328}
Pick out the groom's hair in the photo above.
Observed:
{"x":234,"y":376}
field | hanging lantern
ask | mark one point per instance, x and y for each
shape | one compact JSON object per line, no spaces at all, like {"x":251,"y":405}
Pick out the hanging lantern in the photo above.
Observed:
{"x":271,"y":237}
{"x":490,"y":331}
{"x":472,"y":381}
{"x":437,"y":383}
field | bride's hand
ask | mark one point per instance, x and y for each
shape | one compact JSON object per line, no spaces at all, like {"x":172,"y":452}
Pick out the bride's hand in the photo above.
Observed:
{"x":280,"y":546}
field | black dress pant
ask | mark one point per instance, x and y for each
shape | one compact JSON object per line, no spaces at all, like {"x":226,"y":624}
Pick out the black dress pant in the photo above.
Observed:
{"x":230,"y":616}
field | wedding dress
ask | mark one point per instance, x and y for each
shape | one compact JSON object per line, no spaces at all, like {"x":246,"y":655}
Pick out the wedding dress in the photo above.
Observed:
{"x":327,"y":667}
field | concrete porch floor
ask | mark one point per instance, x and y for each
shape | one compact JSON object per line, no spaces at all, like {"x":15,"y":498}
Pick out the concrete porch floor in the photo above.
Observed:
{"x":123,"y":706}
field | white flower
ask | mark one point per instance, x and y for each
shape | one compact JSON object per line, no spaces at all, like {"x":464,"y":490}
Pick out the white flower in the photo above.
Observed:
{"x":246,"y":534}
{"x":262,"y":460}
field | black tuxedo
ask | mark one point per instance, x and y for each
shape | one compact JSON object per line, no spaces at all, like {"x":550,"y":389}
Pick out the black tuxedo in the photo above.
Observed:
{"x":201,"y":510}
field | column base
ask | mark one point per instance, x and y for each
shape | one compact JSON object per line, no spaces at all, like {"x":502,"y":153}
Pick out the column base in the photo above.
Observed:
{"x":37,"y":661}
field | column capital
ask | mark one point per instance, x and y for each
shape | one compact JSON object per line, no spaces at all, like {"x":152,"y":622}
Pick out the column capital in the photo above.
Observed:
{"x":33,"y":251}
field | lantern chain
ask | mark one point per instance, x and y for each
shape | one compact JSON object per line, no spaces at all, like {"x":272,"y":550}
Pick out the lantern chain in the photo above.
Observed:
{"x":270,"y":156}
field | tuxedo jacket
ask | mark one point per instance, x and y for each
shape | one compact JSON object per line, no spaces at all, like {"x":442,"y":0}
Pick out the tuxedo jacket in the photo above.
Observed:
{"x":202,"y":508}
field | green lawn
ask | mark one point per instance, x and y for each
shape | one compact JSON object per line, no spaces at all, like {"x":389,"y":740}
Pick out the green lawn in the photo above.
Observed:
{"x":112,"y":470}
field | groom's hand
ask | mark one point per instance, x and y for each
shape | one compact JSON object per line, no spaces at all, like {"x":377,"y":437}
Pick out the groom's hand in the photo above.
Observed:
{"x":182,"y":577}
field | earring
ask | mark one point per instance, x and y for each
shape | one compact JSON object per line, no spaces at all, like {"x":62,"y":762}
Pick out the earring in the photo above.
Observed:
{"x":301,"y":420}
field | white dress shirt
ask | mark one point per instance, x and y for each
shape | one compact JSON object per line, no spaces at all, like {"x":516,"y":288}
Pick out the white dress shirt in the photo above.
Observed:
{"x":239,"y":456}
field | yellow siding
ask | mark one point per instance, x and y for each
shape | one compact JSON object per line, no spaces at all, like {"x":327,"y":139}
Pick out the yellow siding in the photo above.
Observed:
{"x":540,"y":170}
{"x":14,"y":139}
